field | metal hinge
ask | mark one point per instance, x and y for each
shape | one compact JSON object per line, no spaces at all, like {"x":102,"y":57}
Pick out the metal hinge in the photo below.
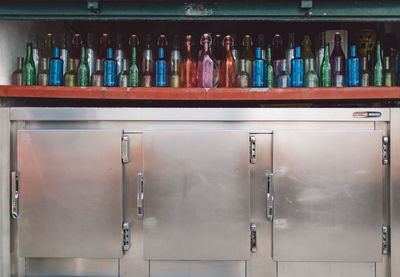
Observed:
{"x":253,"y":238}
{"x":126,"y":231}
{"x":385,"y":150}
{"x":385,"y":239}
{"x":125,"y":150}
{"x":252,"y":140}
{"x":14,"y":194}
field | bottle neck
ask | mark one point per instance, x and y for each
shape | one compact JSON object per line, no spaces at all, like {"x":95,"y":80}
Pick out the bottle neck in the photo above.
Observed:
{"x":71,"y":65}
{"x":242,"y":63}
{"x":311,"y":66}
{"x":28,"y":52}
{"x":386,"y":65}
{"x":206,"y":46}
{"x":364,"y":63}
{"x":134,"y":53}
{"x":326,"y":52}
{"x":98,"y":65}
{"x":20,"y":62}
{"x":378,"y":52}
{"x":269,"y":55}
{"x":83,"y":54}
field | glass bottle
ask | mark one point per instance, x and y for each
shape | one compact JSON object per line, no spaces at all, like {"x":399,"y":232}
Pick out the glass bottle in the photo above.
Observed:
{"x":36,"y":55}
{"x":161,"y":69}
{"x":97,"y":76}
{"x":217,"y":48}
{"x":338,"y":56}
{"x":28,"y":70}
{"x":48,"y":46}
{"x":110,"y":70}
{"x":90,"y":55}
{"x":16,"y":77}
{"x":242,"y":77}
{"x":290,"y":52}
{"x":247,"y":54}
{"x":175,"y":64}
{"x":378,"y":68}
{"x":207,"y":66}
{"x":189,"y":65}
{"x":43,"y":75}
{"x":353,"y":68}
{"x":119,"y":54}
{"x":269,"y":69}
{"x":124,"y":75}
{"x":76,"y":49}
{"x":64,"y":52}
{"x":297,"y":76}
{"x":283,"y":80}
{"x":258,"y":70}
{"x":163,"y":43}
{"x":311,"y":78}
{"x":326,"y":69}
{"x":365,"y":74}
{"x":277,"y":54}
{"x":338,"y":76}
{"x":389,"y":75}
{"x":261,"y":44}
{"x":147,"y":66}
{"x":133,"y":80}
{"x":104,"y":45}
{"x":320,"y":51}
{"x":307,"y":53}
{"x":70,"y":79}
{"x":235,"y":52}
{"x":56,"y":66}
{"x":227,"y":65}
{"x":83,"y":69}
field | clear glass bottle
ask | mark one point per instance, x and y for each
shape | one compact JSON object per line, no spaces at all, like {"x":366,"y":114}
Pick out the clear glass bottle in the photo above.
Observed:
{"x":338,"y":76}
{"x":48,"y":46}
{"x":306,"y":53}
{"x":242,"y":77}
{"x":277,"y":54}
{"x":175,"y":64}
{"x":389,"y":75}
{"x":97,"y":76}
{"x":119,"y":54}
{"x":283,"y":80}
{"x":311,"y":78}
{"x":247,"y":54}
{"x":16,"y":77}
{"x":75,"y":52}
{"x":365,"y":78}
{"x":290,"y":52}
{"x":147,"y":65}
{"x":227,"y":65}
{"x":124,"y":75}
{"x":43,"y":75}
{"x":133,"y":80}
{"x":90,"y":55}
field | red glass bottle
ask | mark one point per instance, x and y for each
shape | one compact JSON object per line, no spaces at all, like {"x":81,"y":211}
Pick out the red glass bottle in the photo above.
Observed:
{"x":227,"y":65}
{"x":189,"y":65}
{"x":76,"y":49}
{"x":338,"y":59}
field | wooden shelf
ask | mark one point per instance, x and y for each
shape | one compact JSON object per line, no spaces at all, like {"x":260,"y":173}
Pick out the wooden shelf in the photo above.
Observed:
{"x":200,"y":94}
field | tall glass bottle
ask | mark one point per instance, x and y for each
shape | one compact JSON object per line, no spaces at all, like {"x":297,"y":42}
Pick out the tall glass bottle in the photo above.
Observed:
{"x":311,"y":78}
{"x":48,"y":46}
{"x":56,"y":66}
{"x":283,"y":80}
{"x":64,"y":53}
{"x":161,"y":69}
{"x":365,"y":74}
{"x":16,"y":77}
{"x":247,"y":54}
{"x":269,"y":69}
{"x":338,"y":76}
{"x":70,"y":79}
{"x":307,"y":53}
{"x":124,"y":75}
{"x":338,"y":57}
{"x":320,"y":51}
{"x":147,"y":66}
{"x":217,"y":49}
{"x":28,"y":70}
{"x":378,"y":68}
{"x":110,"y":70}
{"x":133,"y":80}
{"x":242,"y":77}
{"x":104,"y":45}
{"x":97,"y":76}
{"x":43,"y":75}
{"x":75,"y":52}
{"x":258,"y":70}
{"x":207,"y":66}
{"x":326,"y":69}
{"x":290,"y":52}
{"x":119,"y":54}
{"x":227,"y":65}
{"x":36,"y":55}
{"x":83,"y":69}
{"x":189,"y":65}
{"x":261,"y":44}
{"x":162,"y":42}
{"x":389,"y":75}
{"x":175,"y":64}
{"x":277,"y":54}
{"x":353,"y":68}
{"x":90,"y":55}
{"x":297,"y":75}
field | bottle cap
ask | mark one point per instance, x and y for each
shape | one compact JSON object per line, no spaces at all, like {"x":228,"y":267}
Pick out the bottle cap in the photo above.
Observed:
{"x":297,"y":52}
{"x":56,"y":52}
{"x":258,"y":53}
{"x":353,"y":50}
{"x":109,"y":53}
{"x":161,"y":53}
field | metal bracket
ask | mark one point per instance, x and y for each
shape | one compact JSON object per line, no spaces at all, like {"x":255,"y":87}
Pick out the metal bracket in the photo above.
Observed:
{"x":140,"y":196}
{"x":253,"y":238}
{"x":270,"y":196}
{"x":93,"y":6}
{"x":252,"y":149}
{"x":125,"y":153}
{"x":14,"y":194}
{"x":126,"y":231}
{"x":385,"y":150}
{"x":385,"y":239}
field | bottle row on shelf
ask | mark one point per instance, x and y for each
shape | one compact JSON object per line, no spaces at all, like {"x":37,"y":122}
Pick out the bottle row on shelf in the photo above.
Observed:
{"x":268,"y":66}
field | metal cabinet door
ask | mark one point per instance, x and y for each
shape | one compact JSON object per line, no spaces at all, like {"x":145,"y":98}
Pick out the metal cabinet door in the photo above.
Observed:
{"x":196,"y":195}
{"x":70,"y":188}
{"x":327,"y":195}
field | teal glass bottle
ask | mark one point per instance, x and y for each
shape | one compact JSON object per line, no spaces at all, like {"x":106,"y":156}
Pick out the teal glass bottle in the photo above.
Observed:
{"x":83,"y":69}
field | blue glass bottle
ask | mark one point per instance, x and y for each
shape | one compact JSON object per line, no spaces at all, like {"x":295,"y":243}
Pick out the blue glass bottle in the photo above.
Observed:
{"x":353,"y":68}
{"x":297,"y":74}
{"x":110,"y":70}
{"x":258,"y":70}
{"x":56,"y":68}
{"x":161,"y":69}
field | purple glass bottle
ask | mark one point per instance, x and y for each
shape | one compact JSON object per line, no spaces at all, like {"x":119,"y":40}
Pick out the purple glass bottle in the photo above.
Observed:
{"x":277,"y":54}
{"x":206,"y":64}
{"x":338,"y":59}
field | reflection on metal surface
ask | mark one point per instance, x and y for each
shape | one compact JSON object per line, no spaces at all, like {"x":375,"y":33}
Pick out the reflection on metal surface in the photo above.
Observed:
{"x":14,"y":194}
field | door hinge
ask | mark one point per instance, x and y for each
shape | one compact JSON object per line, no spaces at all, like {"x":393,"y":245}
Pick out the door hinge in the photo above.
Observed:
{"x":253,"y":238}
{"x":385,"y":239}
{"x":126,"y":231}
{"x":385,"y":150}
{"x":125,"y":150}
{"x":252,"y":149}
{"x":14,"y":194}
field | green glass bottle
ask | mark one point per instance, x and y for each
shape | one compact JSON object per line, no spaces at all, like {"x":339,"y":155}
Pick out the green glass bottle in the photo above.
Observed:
{"x":269,"y":69}
{"x":378,"y":68}
{"x":389,"y":76}
{"x":307,"y":53}
{"x":133,"y":78}
{"x":326,"y":69}
{"x":83,"y":69}
{"x":70,"y":76}
{"x":28,"y":71}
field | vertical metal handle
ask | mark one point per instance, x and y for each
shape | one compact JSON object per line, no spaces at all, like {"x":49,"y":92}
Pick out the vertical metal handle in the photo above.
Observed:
{"x":270,"y":196}
{"x":126,"y":157}
{"x":140,"y":196}
{"x":253,"y":238}
{"x":14,"y":194}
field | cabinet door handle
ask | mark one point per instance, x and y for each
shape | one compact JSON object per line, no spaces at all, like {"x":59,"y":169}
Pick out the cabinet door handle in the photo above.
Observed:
{"x":140,"y":196}
{"x":270,"y":195}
